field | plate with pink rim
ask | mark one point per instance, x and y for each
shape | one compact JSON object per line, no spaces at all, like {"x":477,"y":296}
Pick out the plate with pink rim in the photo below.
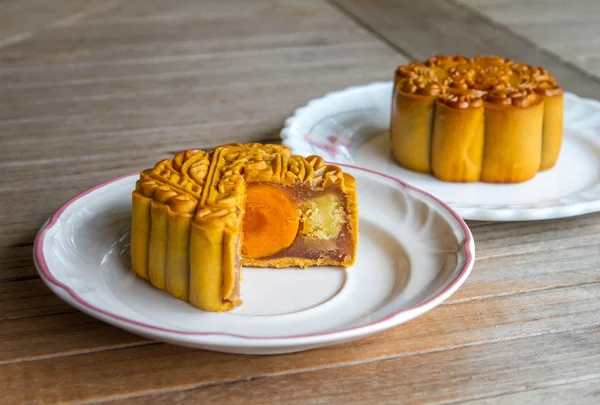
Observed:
{"x":414,"y":252}
{"x":352,"y":126}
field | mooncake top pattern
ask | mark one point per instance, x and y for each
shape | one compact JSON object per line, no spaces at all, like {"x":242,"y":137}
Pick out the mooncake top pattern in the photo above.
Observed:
{"x":462,"y":82}
{"x":210,"y":185}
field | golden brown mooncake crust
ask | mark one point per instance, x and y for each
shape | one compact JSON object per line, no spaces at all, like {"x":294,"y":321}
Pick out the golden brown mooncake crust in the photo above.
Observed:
{"x":188,"y":215}
{"x":476,"y":119}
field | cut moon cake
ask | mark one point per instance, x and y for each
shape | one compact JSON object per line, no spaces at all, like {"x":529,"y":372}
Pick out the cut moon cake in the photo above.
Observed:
{"x":197,"y":218}
{"x":476,"y":119}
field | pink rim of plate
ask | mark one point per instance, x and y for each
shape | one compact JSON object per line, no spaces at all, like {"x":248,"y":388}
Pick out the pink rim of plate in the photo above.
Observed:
{"x":419,"y":309}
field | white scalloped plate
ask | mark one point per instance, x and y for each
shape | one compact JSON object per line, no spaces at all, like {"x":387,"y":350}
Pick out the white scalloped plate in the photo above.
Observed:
{"x":414,"y":252}
{"x":351,"y":126}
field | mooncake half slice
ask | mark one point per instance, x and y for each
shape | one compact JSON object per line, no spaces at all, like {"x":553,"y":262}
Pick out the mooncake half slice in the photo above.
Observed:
{"x":197,"y":218}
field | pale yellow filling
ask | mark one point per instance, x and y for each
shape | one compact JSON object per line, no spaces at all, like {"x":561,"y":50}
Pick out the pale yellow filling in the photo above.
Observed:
{"x":322,"y":217}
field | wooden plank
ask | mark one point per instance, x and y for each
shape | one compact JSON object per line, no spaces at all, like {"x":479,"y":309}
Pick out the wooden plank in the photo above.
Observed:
{"x":504,"y":3}
{"x":434,"y":376}
{"x":136,"y":137}
{"x":60,"y":335}
{"x":60,"y":48}
{"x":16,"y":263}
{"x":187,"y":31}
{"x":14,"y":28}
{"x":57,"y":174}
{"x":572,"y":35}
{"x":203,"y":122}
{"x":232,"y":104}
{"x":439,"y":377}
{"x":209,"y":10}
{"x":38,"y":201}
{"x":531,"y":272}
{"x":141,"y":74}
{"x":195,"y":69}
{"x":535,"y":236}
{"x":471,"y":322}
{"x":538,"y":12}
{"x":20,"y":230}
{"x":165,"y":83}
{"x":413,"y":29}
{"x":29,"y":298}
{"x":444,"y":328}
{"x":584,"y":392}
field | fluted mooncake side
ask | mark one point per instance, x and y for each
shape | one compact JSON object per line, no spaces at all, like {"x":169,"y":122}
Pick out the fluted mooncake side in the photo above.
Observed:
{"x":476,"y":119}
{"x":197,"y":218}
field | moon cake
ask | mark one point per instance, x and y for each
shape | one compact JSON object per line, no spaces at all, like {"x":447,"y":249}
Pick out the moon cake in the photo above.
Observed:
{"x":476,"y":119}
{"x":197,"y":218}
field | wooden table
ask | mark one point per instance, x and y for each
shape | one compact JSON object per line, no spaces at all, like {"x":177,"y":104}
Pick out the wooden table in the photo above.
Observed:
{"x":91,"y":90}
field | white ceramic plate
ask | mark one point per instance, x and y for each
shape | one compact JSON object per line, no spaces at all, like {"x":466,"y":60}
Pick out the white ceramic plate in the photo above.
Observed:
{"x":414,"y":252}
{"x":351,"y":126}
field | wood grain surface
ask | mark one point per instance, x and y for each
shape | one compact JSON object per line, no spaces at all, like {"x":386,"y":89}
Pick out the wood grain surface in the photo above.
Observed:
{"x":419,"y":29}
{"x":570,"y":33}
{"x":93,"y":90}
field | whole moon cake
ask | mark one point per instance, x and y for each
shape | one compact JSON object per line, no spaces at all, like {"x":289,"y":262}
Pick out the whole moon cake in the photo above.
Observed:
{"x":197,"y":218}
{"x":476,"y":119}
